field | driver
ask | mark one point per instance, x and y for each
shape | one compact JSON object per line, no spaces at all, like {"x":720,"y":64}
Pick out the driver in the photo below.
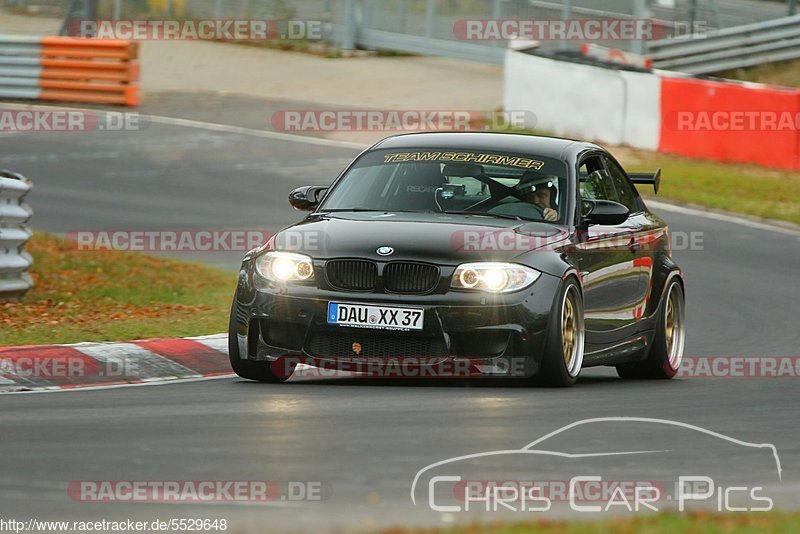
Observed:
{"x":541,"y":191}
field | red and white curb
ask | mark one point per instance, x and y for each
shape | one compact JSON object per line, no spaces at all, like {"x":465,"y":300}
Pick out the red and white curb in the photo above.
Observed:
{"x":82,"y":365}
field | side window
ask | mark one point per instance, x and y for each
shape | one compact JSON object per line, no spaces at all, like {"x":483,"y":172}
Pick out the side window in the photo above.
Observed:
{"x":596,"y":183}
{"x":625,"y":191}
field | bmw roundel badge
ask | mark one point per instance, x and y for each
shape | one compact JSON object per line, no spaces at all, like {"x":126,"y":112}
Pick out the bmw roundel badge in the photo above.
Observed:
{"x":385,"y":251}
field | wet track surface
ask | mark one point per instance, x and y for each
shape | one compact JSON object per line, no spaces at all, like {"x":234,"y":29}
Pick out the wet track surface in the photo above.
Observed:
{"x":364,"y":440}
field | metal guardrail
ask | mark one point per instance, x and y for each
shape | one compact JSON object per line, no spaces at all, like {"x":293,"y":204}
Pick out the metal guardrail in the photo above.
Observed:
{"x":731,"y":48}
{"x":384,"y":40}
{"x":427,"y":27}
{"x":14,"y":214}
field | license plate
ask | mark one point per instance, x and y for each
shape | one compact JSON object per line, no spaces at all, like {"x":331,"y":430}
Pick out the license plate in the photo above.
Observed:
{"x":379,"y":317}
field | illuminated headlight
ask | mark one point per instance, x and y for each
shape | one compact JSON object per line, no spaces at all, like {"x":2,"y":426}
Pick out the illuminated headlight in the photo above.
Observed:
{"x":285,"y":267}
{"x":493,"y":277}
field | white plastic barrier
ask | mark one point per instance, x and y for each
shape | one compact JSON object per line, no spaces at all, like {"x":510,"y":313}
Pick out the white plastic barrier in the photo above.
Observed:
{"x":642,"y":109}
{"x":583,"y":101}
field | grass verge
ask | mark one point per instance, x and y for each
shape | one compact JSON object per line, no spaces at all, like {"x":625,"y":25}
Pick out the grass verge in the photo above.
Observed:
{"x":740,"y":188}
{"x":113,"y":295}
{"x":698,"y":522}
{"x":783,"y":73}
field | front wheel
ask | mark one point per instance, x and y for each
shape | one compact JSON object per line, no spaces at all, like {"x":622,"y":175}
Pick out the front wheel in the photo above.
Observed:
{"x":666,"y":353}
{"x":251,"y":370}
{"x":563,"y":357}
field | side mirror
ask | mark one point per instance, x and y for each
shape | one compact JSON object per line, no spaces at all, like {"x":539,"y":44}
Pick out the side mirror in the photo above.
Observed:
{"x":605,"y":212}
{"x":307,"y":197}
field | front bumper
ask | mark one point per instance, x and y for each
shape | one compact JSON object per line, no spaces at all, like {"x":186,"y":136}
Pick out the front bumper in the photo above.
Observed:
{"x":494,"y":334}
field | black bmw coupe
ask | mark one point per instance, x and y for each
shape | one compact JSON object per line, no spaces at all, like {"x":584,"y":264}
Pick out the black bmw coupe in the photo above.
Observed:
{"x":487,"y":253}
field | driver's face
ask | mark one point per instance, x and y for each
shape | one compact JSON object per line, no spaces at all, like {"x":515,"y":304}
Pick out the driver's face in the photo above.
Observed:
{"x":540,"y":197}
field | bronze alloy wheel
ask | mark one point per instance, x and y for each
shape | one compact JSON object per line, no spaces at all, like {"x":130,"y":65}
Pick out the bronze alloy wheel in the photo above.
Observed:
{"x":674,"y":328}
{"x":572,"y":331}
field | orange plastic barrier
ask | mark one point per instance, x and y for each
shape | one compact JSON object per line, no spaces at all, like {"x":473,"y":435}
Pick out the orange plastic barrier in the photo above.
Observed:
{"x":731,"y":122}
{"x":89,"y":70}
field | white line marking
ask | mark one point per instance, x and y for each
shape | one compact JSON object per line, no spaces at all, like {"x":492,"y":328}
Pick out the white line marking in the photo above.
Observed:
{"x":254,"y":132}
{"x":221,"y":335}
{"x":188,"y":123}
{"x":116,"y":386}
{"x":720,"y":217}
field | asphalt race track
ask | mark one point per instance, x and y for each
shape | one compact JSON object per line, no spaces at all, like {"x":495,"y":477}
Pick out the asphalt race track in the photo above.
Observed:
{"x":363,"y":440}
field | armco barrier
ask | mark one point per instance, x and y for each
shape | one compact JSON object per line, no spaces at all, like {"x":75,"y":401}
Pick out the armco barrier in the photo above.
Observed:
{"x":14,"y":214}
{"x":69,"y":69}
{"x":767,"y":41}
{"x":684,"y":101}
{"x":657,"y":110}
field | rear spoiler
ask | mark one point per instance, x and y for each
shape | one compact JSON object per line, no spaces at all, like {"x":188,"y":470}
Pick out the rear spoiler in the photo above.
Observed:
{"x":647,"y":178}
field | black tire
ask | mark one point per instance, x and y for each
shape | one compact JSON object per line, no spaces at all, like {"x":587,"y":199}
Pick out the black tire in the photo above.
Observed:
{"x":558,"y":370}
{"x":259,"y":371}
{"x":666,"y":352}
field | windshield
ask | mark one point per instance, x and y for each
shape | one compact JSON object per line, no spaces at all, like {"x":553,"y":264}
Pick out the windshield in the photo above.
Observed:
{"x":489,"y":183}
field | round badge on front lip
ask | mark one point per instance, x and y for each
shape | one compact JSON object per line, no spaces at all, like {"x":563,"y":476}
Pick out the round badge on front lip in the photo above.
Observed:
{"x":385,"y":251}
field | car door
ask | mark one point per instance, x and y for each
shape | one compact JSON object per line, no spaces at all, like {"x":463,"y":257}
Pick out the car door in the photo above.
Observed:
{"x":645,"y":232}
{"x":611,"y":285}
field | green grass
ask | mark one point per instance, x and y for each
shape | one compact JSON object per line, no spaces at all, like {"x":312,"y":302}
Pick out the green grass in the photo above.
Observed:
{"x":112,"y":295}
{"x":691,"y":523}
{"x":746,"y":189}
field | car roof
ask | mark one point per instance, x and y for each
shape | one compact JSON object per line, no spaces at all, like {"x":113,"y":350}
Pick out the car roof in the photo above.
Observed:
{"x":553,"y":147}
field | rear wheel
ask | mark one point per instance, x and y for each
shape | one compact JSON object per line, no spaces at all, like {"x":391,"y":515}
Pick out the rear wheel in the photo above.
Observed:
{"x":666,"y":352}
{"x":563,"y":357}
{"x":251,"y":370}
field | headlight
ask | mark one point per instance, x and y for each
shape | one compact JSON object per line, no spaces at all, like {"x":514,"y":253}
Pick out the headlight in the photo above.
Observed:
{"x":493,"y":277}
{"x":285,"y":267}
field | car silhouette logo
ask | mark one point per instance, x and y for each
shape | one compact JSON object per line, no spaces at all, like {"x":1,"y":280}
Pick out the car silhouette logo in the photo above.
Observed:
{"x":385,"y":251}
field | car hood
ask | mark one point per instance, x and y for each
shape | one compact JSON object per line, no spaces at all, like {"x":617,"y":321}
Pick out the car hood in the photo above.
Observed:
{"x":439,"y":238}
